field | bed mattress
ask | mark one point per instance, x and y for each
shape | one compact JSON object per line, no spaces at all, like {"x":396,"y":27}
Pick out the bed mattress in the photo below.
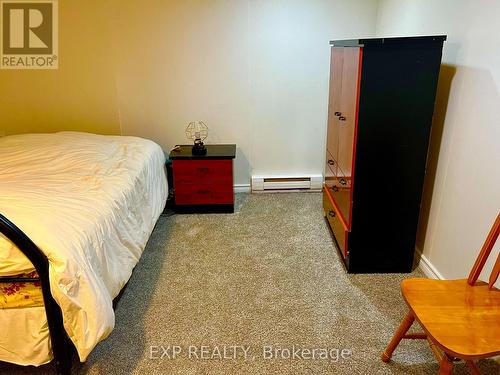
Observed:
{"x":90,"y":203}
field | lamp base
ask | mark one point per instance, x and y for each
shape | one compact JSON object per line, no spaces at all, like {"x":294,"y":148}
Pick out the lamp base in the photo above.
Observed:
{"x":199,"y":148}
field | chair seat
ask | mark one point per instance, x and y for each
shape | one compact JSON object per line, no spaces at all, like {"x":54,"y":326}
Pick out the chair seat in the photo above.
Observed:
{"x":462,"y":319}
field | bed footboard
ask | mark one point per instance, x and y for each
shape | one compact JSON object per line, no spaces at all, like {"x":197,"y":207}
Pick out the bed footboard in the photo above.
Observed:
{"x":62,"y":347}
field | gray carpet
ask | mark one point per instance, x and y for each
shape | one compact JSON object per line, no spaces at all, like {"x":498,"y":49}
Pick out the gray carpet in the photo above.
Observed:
{"x":267,"y":275}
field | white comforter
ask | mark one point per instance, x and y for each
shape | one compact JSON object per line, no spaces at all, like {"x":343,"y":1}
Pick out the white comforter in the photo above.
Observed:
{"x":90,"y":203}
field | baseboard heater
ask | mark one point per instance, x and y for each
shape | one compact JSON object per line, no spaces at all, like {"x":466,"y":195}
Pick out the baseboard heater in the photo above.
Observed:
{"x":277,"y":183}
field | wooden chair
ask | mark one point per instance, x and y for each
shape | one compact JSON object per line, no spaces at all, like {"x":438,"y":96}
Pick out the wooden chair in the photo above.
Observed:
{"x":460,"y":318}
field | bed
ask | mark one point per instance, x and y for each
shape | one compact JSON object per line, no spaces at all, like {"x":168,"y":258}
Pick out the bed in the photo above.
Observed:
{"x":76,"y":212}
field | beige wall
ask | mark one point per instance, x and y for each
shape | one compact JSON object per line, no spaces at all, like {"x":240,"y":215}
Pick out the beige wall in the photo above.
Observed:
{"x":81,"y":94}
{"x":462,"y":194}
{"x":256,"y":71}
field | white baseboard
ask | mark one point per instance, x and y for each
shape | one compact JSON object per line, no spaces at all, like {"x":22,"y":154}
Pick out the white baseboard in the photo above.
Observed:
{"x":242,"y":188}
{"x":246,"y":188}
{"x":286,"y":191}
{"x":427,"y":267}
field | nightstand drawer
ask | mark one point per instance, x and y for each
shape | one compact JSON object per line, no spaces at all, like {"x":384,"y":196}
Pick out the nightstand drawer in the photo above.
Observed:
{"x":204,"y":194}
{"x":199,"y":171}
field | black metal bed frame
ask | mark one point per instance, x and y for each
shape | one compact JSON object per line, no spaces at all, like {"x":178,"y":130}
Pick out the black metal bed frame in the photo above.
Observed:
{"x":62,"y":347}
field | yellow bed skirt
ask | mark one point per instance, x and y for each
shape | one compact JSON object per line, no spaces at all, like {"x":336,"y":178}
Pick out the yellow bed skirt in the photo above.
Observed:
{"x":21,"y":294}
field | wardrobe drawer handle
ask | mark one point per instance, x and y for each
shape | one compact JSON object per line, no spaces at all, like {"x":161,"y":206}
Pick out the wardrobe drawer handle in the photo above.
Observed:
{"x":338,"y":113}
{"x":331,"y":162}
{"x":342,"y":118}
{"x":331,"y":214}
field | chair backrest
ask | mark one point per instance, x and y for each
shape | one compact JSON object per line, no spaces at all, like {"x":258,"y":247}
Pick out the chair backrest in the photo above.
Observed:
{"x":484,"y":254}
{"x":495,"y":272}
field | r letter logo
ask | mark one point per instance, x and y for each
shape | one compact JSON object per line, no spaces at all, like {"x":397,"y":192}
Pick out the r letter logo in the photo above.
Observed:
{"x":29,"y":34}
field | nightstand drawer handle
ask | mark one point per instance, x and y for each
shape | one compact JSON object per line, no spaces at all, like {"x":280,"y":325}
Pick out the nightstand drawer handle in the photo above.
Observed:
{"x":342,"y":118}
{"x":343,"y":181}
{"x":331,"y":214}
{"x":331,"y":162}
{"x":202,"y":169}
{"x":335,"y":189}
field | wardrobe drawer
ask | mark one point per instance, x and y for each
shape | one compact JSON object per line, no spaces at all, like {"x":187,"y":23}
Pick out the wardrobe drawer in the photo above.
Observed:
{"x":335,"y":223}
{"x":340,"y":190}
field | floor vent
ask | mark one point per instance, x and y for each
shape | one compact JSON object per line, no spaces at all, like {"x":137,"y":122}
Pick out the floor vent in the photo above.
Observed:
{"x":278,"y":183}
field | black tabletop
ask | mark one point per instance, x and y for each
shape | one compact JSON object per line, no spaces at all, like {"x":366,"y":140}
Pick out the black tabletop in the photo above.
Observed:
{"x":213,"y":152}
{"x":392,"y":40}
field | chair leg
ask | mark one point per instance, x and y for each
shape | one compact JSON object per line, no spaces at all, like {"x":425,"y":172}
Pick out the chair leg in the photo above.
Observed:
{"x":473,"y":368}
{"x":403,"y":328}
{"x":446,"y":366}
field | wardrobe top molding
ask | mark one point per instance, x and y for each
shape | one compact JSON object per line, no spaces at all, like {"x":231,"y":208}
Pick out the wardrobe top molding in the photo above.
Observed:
{"x":387,"y":41}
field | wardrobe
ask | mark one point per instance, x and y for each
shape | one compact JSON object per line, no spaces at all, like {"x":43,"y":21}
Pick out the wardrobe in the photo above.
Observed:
{"x":381,"y":102}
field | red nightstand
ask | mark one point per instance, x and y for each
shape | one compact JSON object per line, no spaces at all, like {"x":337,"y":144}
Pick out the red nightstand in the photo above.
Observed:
{"x":203,"y":183}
